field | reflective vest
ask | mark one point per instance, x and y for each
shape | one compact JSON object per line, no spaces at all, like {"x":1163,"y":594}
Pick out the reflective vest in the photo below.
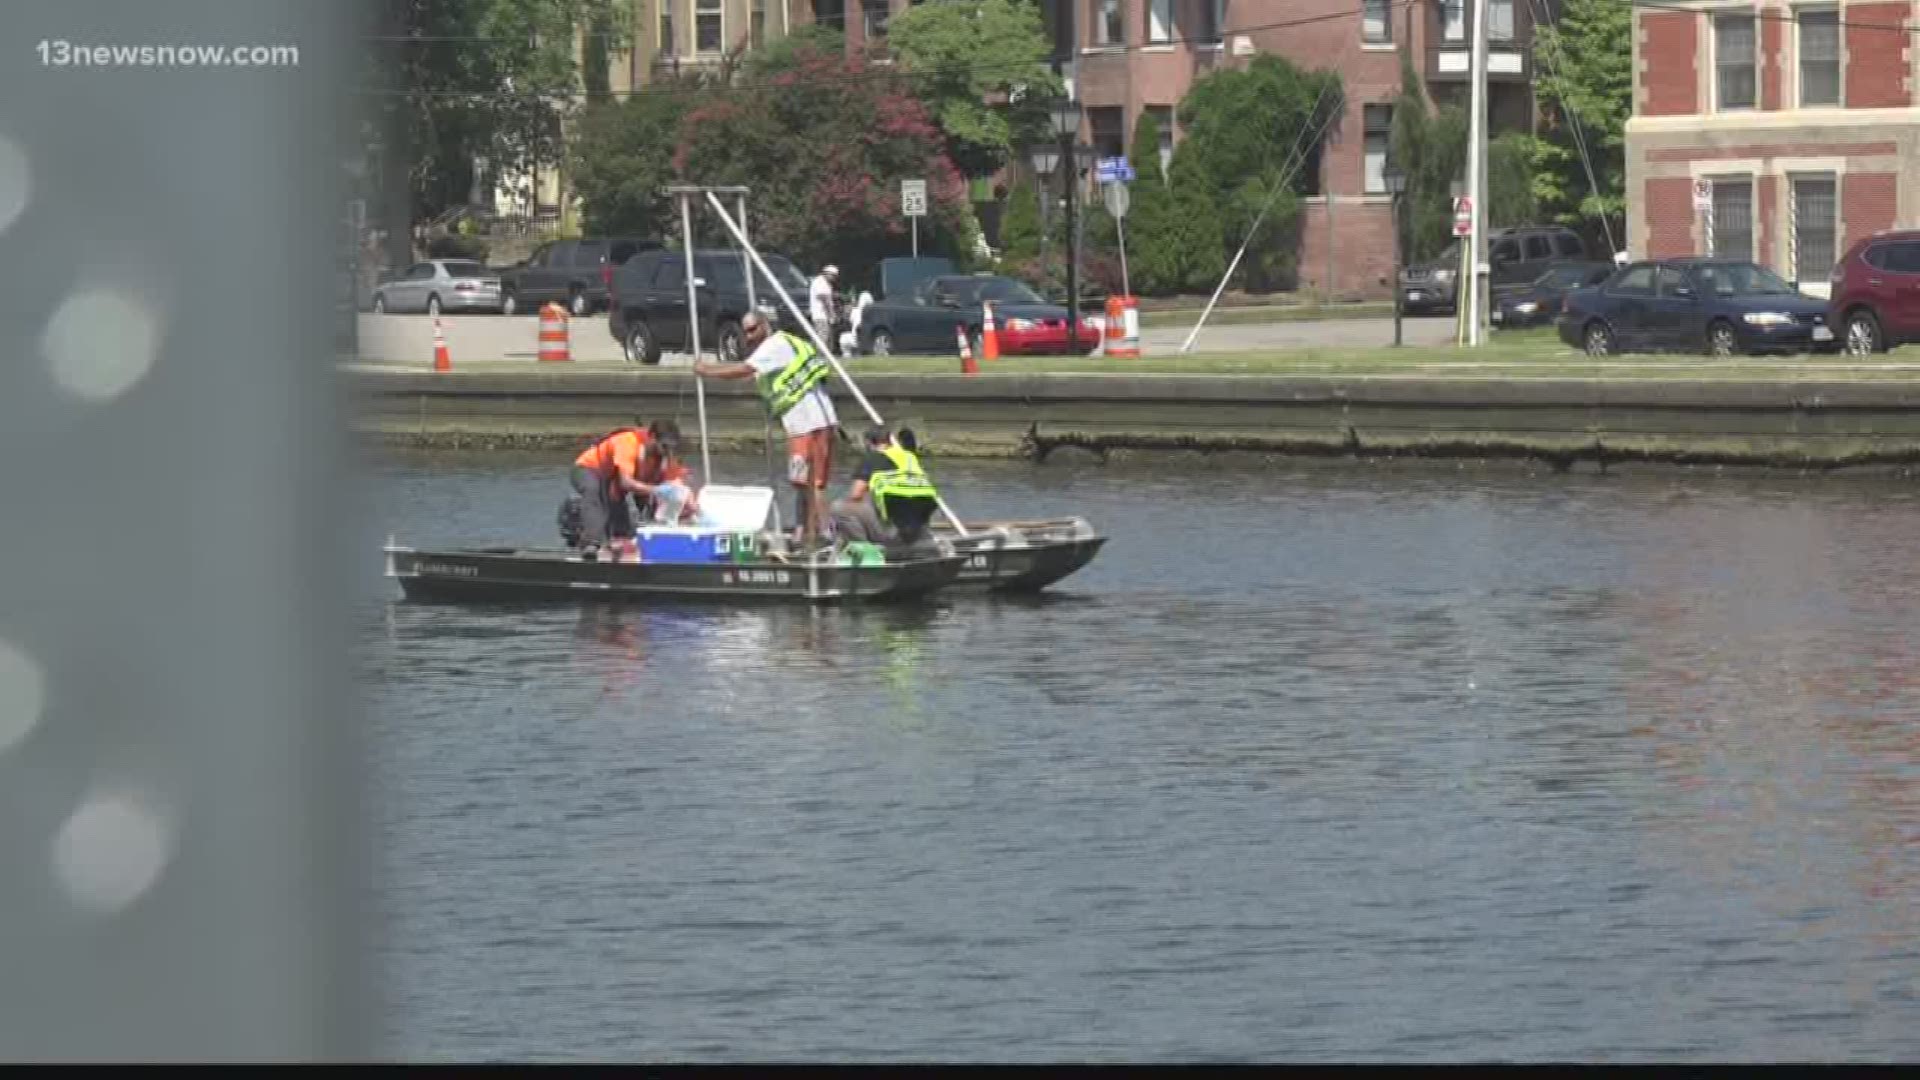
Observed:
{"x":784,"y":388}
{"x":906,"y":480}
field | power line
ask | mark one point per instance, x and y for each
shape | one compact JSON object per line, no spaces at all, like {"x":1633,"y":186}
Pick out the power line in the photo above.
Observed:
{"x":985,"y":67}
{"x":1573,"y":120}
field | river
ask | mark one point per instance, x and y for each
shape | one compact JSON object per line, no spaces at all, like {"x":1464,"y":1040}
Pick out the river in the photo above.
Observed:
{"x":1317,"y":761}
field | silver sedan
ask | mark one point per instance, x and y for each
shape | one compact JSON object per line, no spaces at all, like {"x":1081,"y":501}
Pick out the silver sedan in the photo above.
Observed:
{"x":440,"y":285}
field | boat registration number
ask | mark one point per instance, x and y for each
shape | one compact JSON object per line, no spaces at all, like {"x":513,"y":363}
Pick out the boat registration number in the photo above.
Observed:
{"x":976,"y":562}
{"x":757,"y":577}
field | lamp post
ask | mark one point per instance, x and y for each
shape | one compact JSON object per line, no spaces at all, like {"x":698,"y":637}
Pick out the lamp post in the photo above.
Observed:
{"x":1396,"y":182}
{"x":1066,"y":125}
{"x":1044,"y":157}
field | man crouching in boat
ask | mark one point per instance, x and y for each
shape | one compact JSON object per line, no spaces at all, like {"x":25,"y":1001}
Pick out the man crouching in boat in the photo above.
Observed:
{"x":791,"y":375}
{"x":891,"y":499}
{"x":644,"y":463}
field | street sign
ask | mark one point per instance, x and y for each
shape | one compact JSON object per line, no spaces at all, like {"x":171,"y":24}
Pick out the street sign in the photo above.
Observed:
{"x":1703,"y":194}
{"x":1463,"y":216}
{"x":913,"y":198}
{"x":1117,"y":200}
{"x":1113,"y":170}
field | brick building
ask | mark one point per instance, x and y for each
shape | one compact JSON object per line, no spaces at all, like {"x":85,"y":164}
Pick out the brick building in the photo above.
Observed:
{"x":1803,"y":116}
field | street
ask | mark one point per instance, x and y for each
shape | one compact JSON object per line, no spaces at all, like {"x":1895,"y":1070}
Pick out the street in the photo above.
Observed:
{"x":496,"y":339}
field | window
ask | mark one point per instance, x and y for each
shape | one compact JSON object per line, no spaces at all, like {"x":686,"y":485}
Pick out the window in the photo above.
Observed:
{"x":1570,"y":246}
{"x":1109,"y":23}
{"x":666,"y":29}
{"x":670,"y":273}
{"x":1732,"y":219}
{"x":1163,"y":119}
{"x":1500,"y":20}
{"x":1672,"y":282}
{"x":1504,"y":251}
{"x":1453,"y":20}
{"x":1903,"y":258}
{"x":1539,"y":248}
{"x":1109,"y":135}
{"x":1733,"y":60}
{"x":707,"y":36}
{"x":1814,"y":227}
{"x":830,"y":13}
{"x":1376,"y":23}
{"x":1213,"y":21}
{"x":1377,"y":125}
{"x":1636,"y":281}
{"x":1819,"y":58}
{"x":874,"y":15}
{"x":758,"y":26}
{"x":1159,"y":20}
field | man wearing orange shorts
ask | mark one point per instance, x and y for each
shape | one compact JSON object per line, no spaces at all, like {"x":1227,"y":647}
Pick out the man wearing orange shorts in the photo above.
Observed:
{"x":791,"y":375}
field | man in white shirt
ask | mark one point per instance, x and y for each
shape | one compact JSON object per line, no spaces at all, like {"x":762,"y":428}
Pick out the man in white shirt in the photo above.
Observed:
{"x":792,"y":377}
{"x":820,"y":301}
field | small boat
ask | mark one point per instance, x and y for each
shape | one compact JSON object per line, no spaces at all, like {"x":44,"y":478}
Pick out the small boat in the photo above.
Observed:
{"x":508,"y":573}
{"x":1020,"y":556}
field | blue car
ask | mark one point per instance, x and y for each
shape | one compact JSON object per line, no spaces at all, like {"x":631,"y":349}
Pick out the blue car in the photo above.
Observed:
{"x":1716,"y":306}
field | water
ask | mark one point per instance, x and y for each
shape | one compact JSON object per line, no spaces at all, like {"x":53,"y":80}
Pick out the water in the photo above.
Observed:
{"x":1314,"y":763}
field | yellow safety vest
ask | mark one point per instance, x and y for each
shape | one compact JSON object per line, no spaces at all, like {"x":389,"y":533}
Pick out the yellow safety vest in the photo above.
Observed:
{"x":906,"y":480}
{"x":784,"y":388}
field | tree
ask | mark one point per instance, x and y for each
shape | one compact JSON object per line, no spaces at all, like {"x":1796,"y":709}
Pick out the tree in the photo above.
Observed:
{"x":785,"y":53}
{"x":1510,"y":194}
{"x":824,"y":147}
{"x":1584,"y":72}
{"x":1020,"y":228}
{"x":1153,"y":260}
{"x":1255,"y":135}
{"x":980,"y":67}
{"x":1197,"y":238}
{"x":623,"y":156}
{"x":1431,"y":150}
{"x":467,"y":80}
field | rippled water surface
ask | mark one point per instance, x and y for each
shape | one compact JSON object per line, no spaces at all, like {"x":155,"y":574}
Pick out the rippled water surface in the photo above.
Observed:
{"x":1313,"y":763}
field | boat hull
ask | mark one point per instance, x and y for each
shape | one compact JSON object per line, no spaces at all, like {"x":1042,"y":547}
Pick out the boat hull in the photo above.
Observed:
{"x":490,"y":574}
{"x":1021,"y":556}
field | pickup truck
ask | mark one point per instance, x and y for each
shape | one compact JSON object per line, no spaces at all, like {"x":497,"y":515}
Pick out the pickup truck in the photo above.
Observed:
{"x":578,"y":273}
{"x":647,"y":310}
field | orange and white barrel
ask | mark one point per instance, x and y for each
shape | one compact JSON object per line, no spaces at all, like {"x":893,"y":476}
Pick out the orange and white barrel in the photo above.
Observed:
{"x":553,"y":333}
{"x":1123,"y":327}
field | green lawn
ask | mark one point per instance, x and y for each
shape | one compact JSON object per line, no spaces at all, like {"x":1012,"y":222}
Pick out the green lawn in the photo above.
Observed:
{"x":1272,"y":313}
{"x":1507,"y":355}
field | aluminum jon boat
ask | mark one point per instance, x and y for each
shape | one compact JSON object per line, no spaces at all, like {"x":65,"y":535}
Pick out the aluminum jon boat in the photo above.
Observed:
{"x":506,"y":573}
{"x":1020,"y":556}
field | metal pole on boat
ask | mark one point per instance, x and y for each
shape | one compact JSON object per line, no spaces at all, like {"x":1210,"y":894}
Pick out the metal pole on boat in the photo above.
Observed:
{"x":753,"y":304}
{"x":807,"y":324}
{"x":693,"y":333}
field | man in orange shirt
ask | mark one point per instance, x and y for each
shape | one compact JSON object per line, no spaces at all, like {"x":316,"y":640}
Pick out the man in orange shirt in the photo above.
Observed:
{"x":622,"y":462}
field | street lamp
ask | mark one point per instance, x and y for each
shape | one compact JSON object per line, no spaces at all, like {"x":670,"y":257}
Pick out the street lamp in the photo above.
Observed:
{"x":1396,"y":182}
{"x":1066,"y":125}
{"x":1045,"y":157}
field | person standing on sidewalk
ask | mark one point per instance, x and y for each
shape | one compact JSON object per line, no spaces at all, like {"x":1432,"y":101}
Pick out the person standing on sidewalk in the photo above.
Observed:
{"x":791,"y":376}
{"x":820,"y":301}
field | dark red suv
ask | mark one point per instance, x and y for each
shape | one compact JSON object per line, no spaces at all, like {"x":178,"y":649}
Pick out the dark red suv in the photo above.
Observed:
{"x":1875,"y":303}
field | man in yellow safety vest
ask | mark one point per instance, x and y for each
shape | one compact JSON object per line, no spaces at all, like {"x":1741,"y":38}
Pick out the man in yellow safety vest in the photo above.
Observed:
{"x":891,"y":499}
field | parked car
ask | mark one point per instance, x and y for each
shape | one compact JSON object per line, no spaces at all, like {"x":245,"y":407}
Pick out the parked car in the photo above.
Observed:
{"x":1875,"y":300}
{"x":925,"y":320}
{"x":1538,"y":301}
{"x":649,"y":300}
{"x":1719,"y":306}
{"x":578,"y":273}
{"x":1514,"y":256}
{"x":438,"y":285}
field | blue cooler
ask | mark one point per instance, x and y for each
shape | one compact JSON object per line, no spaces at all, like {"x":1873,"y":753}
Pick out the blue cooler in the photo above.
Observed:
{"x":682,"y":544}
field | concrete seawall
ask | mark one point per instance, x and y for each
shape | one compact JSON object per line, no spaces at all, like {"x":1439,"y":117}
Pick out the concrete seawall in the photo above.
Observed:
{"x":1797,"y":423}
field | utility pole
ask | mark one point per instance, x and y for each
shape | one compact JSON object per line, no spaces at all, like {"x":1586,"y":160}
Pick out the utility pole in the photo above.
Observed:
{"x":1473,"y":289}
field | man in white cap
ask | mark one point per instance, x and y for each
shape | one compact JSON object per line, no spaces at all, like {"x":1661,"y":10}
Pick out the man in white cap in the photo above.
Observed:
{"x":820,"y":301}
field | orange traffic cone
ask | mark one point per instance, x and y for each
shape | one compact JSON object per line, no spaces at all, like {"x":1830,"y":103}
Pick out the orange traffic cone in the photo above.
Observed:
{"x":989,"y":340}
{"x":441,"y":360}
{"x":967,"y":366}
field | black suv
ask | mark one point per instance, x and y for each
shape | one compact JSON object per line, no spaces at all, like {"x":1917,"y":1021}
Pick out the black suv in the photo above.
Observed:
{"x":577,"y":273}
{"x":649,"y":300}
{"x":1515,"y":256}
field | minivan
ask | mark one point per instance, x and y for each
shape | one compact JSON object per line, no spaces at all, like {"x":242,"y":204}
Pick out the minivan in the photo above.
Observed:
{"x":1514,"y":256}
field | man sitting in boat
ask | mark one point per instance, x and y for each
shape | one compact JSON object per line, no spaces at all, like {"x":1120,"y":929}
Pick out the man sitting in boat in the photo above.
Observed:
{"x":641,"y":462}
{"x":891,"y":499}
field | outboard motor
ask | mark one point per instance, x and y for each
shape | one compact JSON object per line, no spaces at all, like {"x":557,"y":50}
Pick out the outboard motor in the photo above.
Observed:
{"x":569,"y":519}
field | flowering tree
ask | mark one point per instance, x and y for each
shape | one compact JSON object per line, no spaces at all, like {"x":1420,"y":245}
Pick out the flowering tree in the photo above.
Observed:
{"x":824,"y":145}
